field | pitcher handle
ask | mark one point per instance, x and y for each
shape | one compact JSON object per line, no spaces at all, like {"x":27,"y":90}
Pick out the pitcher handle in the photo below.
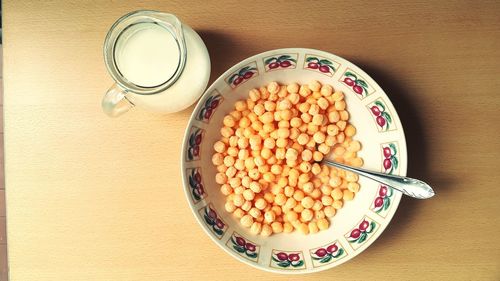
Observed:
{"x":115,"y":102}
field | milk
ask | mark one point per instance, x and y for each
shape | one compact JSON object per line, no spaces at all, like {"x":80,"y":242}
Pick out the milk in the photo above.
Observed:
{"x":154,"y":67}
{"x":147,"y":54}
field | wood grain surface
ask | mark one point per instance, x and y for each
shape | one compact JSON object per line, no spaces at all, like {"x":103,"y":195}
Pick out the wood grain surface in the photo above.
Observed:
{"x":94,"y":198}
{"x":3,"y":237}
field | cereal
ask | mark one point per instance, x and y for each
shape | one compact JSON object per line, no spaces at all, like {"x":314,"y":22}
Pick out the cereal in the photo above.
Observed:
{"x":255,"y":213}
{"x":239,"y":213}
{"x":248,"y":194}
{"x":313,"y":227}
{"x":329,"y":211}
{"x":246,"y":206}
{"x":277,"y":227}
{"x":269,"y":216}
{"x":306,"y":215}
{"x":268,"y":156}
{"x":266,"y":230}
{"x":246,"y":221}
{"x":260,"y":204}
{"x":256,"y":228}
{"x":303,"y":228}
{"x":229,"y":206}
{"x":323,"y":224}
{"x":287,"y":227}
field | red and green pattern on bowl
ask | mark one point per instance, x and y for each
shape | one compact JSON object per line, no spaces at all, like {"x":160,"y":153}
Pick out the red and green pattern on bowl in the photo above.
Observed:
{"x":209,"y":107}
{"x":358,"y":85}
{"x":361,"y":232}
{"x":284,"y":61}
{"x":196,"y":184}
{"x":194,"y":143}
{"x":383,"y":200}
{"x":382,"y":117}
{"x":320,"y":64}
{"x":242,"y":75}
{"x":213,"y":221}
{"x":243,"y":247}
{"x":327,"y":254}
{"x":390,"y":156}
{"x":288,"y":260}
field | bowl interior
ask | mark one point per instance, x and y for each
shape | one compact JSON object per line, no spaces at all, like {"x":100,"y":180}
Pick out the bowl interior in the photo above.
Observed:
{"x":361,"y":95}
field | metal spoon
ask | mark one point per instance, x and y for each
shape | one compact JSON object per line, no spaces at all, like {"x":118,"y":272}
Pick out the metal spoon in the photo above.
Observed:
{"x":408,"y":186}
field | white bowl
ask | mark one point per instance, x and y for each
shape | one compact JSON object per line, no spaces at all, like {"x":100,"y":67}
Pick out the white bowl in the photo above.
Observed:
{"x":296,"y":253}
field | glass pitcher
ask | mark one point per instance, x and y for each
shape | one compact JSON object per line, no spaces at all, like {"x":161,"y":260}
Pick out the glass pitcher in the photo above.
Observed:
{"x":157,"y":63}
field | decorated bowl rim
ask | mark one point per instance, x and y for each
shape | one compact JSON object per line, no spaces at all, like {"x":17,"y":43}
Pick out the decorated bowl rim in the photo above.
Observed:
{"x":192,"y":118}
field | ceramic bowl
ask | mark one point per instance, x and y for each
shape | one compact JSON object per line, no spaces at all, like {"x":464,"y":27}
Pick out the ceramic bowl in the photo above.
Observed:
{"x":358,"y":224}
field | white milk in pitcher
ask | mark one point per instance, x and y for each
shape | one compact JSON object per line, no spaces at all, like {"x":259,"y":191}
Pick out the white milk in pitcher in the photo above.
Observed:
{"x":147,"y":54}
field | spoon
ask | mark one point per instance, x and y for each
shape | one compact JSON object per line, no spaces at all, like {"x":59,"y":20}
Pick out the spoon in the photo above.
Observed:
{"x":408,"y":186}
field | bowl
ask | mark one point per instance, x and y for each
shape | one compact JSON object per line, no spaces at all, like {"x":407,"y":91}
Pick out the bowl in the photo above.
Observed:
{"x":358,"y":224}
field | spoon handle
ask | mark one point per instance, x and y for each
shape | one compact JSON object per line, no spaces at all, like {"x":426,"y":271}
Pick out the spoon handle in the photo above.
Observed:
{"x":408,"y":186}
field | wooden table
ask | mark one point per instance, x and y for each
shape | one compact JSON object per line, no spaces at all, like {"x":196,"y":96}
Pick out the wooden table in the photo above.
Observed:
{"x":94,"y":198}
